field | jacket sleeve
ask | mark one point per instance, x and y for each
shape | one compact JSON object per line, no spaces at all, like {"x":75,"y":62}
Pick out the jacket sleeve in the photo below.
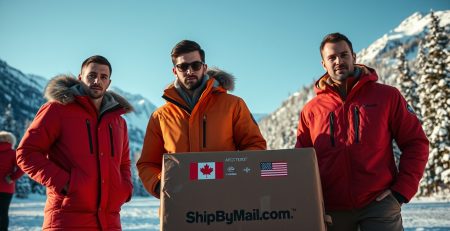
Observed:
{"x":303,"y":132}
{"x":150,"y":163}
{"x":413,"y":143}
{"x":35,"y":146}
{"x":17,"y":171}
{"x":125,"y":164}
{"x":246,"y":133}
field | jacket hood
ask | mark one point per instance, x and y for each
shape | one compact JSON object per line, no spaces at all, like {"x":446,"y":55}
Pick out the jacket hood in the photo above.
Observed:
{"x":62,"y":89}
{"x":7,"y":137}
{"x":225,"y":79}
{"x":367,"y":74}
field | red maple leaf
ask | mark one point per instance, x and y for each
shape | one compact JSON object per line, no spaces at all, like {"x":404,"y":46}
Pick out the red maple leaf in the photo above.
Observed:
{"x":206,"y":170}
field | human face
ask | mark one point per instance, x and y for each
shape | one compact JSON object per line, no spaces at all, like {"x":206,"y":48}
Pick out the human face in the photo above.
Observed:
{"x":338,"y":60}
{"x":95,"y":79}
{"x":189,"y":79}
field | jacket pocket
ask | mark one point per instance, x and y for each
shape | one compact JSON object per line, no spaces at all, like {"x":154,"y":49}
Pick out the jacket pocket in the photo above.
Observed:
{"x":71,"y":183}
{"x":88,"y":127}
{"x":332,"y":128}
{"x":356,"y":123}
{"x":81,"y":194}
{"x":120,"y":192}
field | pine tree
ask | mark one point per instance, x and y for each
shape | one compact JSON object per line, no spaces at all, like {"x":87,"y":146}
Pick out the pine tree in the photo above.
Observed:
{"x":405,"y":80}
{"x":434,"y":107}
{"x":23,"y":187}
{"x":8,"y":122}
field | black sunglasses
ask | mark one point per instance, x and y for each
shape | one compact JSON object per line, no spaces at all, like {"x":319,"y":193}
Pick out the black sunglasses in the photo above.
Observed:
{"x":185,"y":66}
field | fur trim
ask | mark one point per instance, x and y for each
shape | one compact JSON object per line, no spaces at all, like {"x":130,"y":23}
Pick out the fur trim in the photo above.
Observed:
{"x":225,"y":79}
{"x":7,"y":137}
{"x":59,"y":89}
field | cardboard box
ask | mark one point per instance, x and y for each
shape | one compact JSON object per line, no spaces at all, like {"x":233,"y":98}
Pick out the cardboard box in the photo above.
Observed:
{"x":245,"y":190}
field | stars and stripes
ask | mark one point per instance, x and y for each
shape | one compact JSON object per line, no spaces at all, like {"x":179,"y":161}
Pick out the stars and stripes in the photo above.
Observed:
{"x":269,"y":169}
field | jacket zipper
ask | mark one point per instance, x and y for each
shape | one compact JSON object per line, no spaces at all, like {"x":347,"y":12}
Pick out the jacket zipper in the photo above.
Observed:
{"x":99,"y":172}
{"x":332,"y":129}
{"x":88,"y":126}
{"x":111,"y":139}
{"x":204,"y":131}
{"x":356,"y":123}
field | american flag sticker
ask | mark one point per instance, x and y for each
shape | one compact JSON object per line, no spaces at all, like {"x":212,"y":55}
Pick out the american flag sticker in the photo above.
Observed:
{"x":269,"y":169}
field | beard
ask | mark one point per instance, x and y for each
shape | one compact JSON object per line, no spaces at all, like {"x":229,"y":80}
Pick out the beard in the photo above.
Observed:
{"x":93,"y":91}
{"x":192,"y":85}
{"x":342,"y":73}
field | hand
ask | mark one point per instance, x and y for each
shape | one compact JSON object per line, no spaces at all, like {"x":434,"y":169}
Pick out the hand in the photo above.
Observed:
{"x":8,"y":179}
{"x":383,"y":195}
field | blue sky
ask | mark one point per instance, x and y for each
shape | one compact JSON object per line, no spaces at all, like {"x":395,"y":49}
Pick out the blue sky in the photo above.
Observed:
{"x":270,"y":46}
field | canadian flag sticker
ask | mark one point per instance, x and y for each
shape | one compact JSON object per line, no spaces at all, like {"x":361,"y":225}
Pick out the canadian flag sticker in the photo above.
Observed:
{"x":206,"y":171}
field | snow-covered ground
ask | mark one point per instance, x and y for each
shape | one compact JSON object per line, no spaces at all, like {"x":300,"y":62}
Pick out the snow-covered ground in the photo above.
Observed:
{"x":142,"y":214}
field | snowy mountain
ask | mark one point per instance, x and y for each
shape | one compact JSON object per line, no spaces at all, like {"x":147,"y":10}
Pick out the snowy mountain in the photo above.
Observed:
{"x":407,"y":34}
{"x":23,"y":92}
{"x":279,"y":128}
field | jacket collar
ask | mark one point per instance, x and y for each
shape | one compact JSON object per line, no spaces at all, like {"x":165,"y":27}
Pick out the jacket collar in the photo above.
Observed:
{"x":219,"y":81}
{"x":66,"y":89}
{"x":326,"y":85}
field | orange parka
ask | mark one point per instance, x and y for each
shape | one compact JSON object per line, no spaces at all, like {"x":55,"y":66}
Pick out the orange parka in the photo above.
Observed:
{"x":218,"y":122}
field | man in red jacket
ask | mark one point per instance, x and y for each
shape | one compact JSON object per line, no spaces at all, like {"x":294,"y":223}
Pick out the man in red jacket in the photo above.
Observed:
{"x":77,"y":146}
{"x":351,"y":124}
{"x":9,"y":173}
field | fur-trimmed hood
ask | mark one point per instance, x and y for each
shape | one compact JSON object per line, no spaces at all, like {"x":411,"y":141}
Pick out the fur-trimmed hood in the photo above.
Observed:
{"x":64,"y":88}
{"x":7,"y":137}
{"x":225,"y":79}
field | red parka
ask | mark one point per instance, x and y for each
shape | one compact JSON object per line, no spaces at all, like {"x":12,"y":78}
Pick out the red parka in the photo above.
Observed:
{"x":8,"y":165}
{"x":69,"y":142}
{"x":353,"y":142}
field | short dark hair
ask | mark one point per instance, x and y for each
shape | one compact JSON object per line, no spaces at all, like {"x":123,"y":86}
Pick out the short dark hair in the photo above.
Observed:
{"x":184,"y":47}
{"x":334,"y":38}
{"x":97,"y":59}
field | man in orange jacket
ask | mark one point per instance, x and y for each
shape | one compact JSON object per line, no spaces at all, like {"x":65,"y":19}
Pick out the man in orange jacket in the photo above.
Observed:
{"x":199,"y":116}
{"x":351,"y":124}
